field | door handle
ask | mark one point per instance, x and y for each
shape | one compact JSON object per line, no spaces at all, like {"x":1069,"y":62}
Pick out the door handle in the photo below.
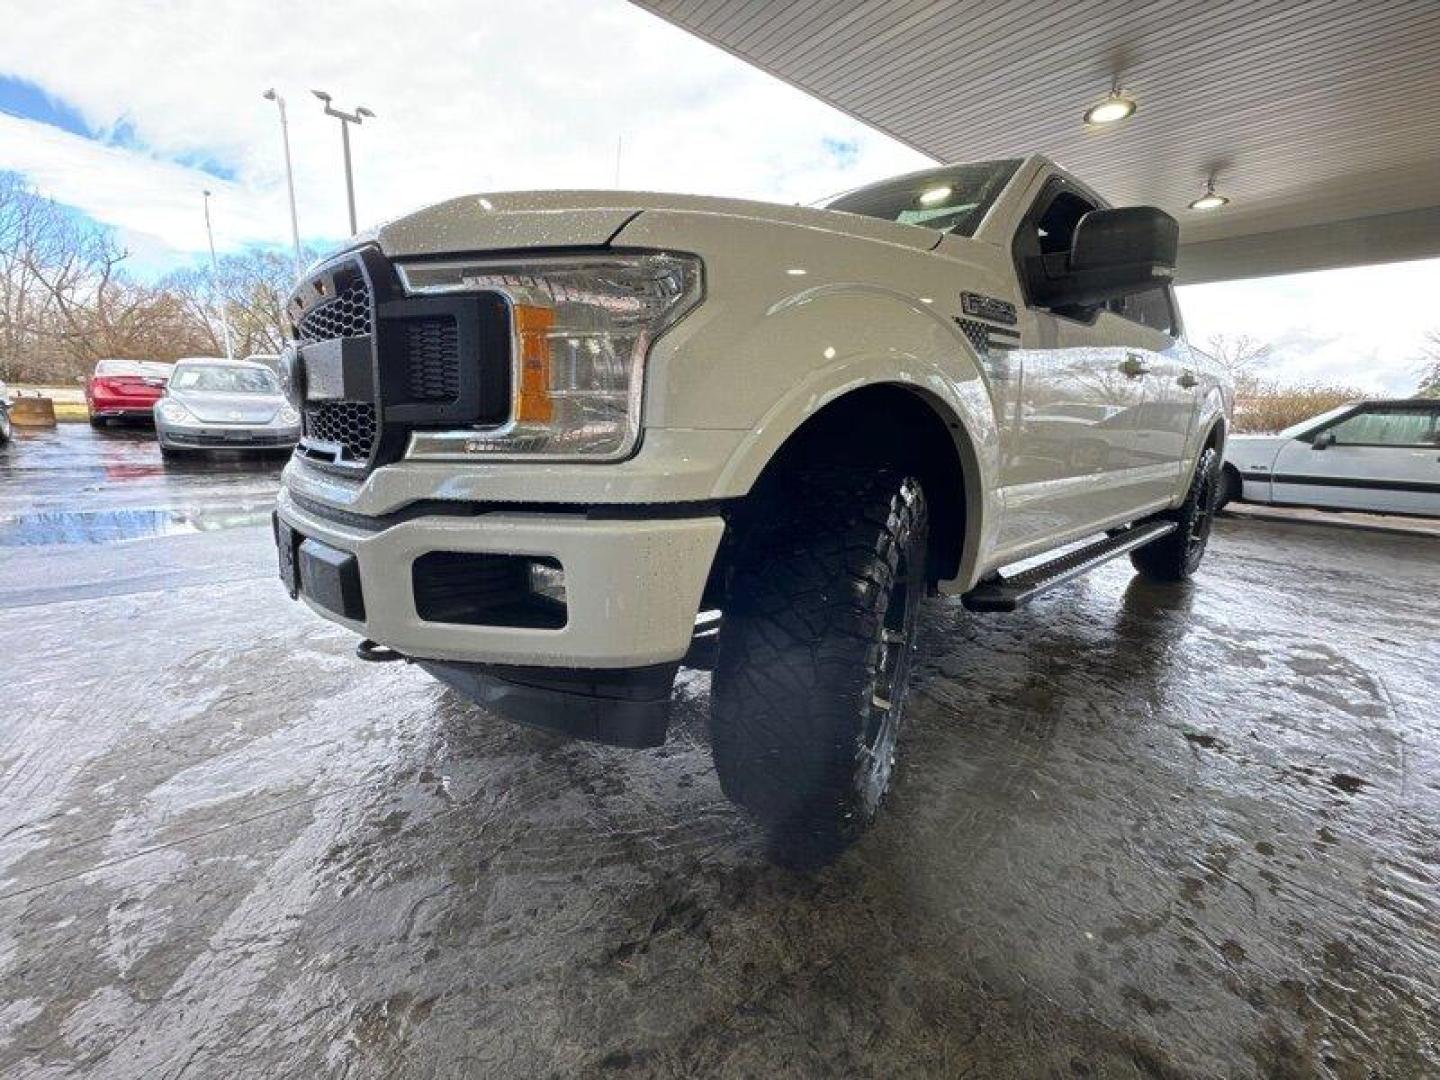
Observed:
{"x":1134,"y":366}
{"x":1188,"y":381}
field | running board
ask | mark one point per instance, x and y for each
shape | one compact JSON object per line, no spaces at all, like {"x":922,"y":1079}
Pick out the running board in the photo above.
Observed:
{"x":999,"y":593}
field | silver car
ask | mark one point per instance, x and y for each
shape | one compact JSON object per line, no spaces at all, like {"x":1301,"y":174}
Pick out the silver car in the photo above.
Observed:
{"x":213,"y":404}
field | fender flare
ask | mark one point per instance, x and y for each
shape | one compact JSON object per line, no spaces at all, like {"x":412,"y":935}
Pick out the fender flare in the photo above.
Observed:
{"x":963,"y":404}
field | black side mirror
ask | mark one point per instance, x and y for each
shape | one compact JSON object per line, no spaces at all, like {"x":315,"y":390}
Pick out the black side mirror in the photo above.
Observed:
{"x":1321,"y":441}
{"x":1114,"y":253}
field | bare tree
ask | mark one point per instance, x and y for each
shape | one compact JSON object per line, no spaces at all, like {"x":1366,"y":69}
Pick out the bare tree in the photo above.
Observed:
{"x":250,"y":290}
{"x":1238,"y":354}
{"x":65,"y":300}
{"x":27,"y":225}
{"x":1429,"y":386}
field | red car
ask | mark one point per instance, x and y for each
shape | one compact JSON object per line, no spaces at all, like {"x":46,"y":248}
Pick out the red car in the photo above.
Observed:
{"x":125,"y":390}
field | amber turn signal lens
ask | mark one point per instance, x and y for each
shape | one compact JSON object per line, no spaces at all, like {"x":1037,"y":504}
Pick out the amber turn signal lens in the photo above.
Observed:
{"x":533,"y":324}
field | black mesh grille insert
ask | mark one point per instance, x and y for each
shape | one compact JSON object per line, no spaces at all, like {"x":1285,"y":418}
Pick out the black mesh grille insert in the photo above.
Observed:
{"x":432,"y":352}
{"x":350,"y":424}
{"x":345,"y":315}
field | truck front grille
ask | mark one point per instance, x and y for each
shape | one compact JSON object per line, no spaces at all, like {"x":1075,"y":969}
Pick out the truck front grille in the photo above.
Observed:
{"x":434,"y":361}
{"x":337,"y":303}
{"x":347,"y":424}
{"x":350,"y":314}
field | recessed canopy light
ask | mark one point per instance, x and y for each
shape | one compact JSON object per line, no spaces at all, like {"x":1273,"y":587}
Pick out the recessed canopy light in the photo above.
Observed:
{"x":1210,"y":200}
{"x":935,"y":195}
{"x":796,"y":271}
{"x":1112,"y":110}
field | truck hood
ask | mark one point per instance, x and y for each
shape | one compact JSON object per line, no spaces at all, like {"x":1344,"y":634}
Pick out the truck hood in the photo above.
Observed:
{"x":548,"y":219}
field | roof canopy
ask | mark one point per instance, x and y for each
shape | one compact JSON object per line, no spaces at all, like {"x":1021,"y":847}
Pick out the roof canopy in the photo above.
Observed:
{"x":1320,"y":120}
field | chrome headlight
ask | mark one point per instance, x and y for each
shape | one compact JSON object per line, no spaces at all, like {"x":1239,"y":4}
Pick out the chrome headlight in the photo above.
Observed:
{"x":172,"y":411}
{"x":581,"y":327}
{"x":287,"y":416}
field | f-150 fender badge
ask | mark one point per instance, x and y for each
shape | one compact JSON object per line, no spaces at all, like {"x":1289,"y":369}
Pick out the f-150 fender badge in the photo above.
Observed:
{"x":988,"y":307}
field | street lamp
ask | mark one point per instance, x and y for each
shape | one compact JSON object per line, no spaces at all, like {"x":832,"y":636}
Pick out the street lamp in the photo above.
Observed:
{"x":271,"y":95}
{"x":215,"y":271}
{"x":346,"y":119}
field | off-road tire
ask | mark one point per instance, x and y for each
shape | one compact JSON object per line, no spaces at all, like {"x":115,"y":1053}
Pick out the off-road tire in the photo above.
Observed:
{"x":1176,"y":555}
{"x":815,"y":653}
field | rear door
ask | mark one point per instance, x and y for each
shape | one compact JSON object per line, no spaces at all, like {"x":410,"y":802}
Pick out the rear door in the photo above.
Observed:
{"x":1167,"y":412}
{"x":1383,"y":458}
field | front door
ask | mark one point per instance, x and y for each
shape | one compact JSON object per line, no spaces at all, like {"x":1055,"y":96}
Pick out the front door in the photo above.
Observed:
{"x":1071,"y":453}
{"x":1383,"y":458}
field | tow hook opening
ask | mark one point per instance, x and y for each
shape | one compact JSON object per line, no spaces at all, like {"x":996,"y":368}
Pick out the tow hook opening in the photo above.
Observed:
{"x":376,"y":653}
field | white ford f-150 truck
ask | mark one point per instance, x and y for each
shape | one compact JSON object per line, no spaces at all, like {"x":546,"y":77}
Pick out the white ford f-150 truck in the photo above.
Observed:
{"x":553,"y":440}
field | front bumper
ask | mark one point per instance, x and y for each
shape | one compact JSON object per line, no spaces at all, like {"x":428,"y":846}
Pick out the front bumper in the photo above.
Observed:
{"x":113,"y":411}
{"x":226,"y":436}
{"x":633,"y":585}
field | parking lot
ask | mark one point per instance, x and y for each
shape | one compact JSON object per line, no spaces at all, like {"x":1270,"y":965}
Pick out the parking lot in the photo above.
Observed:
{"x":1139,"y":831}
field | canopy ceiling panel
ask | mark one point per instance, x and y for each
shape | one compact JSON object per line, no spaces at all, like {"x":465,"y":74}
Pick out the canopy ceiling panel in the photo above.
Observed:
{"x":1319,"y":119}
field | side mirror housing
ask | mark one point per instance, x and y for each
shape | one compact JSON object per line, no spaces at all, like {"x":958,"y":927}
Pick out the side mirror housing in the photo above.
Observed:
{"x":1114,"y":253}
{"x":1321,"y":441}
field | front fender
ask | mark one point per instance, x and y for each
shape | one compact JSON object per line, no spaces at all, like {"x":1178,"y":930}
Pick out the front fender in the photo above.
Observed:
{"x":793,"y":319}
{"x":821,"y":344}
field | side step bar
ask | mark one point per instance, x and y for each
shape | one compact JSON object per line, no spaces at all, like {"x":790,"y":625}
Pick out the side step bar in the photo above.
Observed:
{"x":998,"y":593}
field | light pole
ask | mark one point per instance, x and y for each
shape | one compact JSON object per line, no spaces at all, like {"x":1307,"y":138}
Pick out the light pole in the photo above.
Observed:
{"x":215,"y":271}
{"x":346,"y":119}
{"x":271,"y":95}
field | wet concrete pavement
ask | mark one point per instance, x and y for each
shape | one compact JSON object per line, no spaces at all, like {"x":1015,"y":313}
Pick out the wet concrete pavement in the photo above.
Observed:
{"x":69,"y":484}
{"x":1137,"y":832}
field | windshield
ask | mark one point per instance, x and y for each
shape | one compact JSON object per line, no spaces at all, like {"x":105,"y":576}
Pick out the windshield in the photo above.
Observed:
{"x":1296,"y":430}
{"x":226,"y":380}
{"x":953,"y":199}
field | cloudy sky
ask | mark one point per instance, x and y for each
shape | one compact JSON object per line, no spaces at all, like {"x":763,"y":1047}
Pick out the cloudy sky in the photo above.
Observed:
{"x":128,"y":117}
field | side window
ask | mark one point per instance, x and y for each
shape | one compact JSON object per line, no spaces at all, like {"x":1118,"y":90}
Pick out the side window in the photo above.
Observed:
{"x":1154,"y":309}
{"x":1055,"y":228}
{"x":1388,"y":427}
{"x":1049,"y":228}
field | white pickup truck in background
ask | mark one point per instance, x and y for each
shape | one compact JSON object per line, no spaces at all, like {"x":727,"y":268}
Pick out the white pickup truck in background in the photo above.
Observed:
{"x":548,"y":435}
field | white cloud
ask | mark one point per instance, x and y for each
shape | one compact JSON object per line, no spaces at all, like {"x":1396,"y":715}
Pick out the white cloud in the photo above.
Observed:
{"x":154,"y":201}
{"x":1360,"y":327}
{"x":469,"y":97}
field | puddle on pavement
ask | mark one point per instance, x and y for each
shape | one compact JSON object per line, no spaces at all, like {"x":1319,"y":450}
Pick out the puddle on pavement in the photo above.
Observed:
{"x":112,"y":526}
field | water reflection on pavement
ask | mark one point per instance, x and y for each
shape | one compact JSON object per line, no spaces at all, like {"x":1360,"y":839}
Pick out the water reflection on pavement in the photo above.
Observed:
{"x":1138,"y":831}
{"x":71,"y":484}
